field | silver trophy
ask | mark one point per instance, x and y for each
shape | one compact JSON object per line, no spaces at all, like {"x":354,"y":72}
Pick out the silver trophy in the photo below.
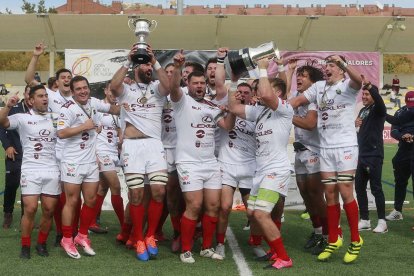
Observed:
{"x":142,"y":27}
{"x":245,"y":59}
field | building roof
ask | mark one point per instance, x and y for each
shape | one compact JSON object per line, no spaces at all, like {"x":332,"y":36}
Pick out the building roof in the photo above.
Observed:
{"x":387,"y":34}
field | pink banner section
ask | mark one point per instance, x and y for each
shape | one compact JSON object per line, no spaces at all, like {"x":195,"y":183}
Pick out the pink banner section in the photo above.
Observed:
{"x":387,"y":136}
{"x":366,"y":63}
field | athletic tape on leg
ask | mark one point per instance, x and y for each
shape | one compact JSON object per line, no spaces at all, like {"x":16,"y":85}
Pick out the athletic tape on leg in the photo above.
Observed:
{"x":134,"y":181}
{"x":159,"y":178}
{"x":345,"y":178}
{"x":266,"y":200}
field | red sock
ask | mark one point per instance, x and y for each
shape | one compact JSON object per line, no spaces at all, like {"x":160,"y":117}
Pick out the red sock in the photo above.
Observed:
{"x":278,"y":247}
{"x":338,"y":211}
{"x":187,"y":232}
{"x":76,"y":217}
{"x":209,"y":226}
{"x":57,"y":214}
{"x":154,"y":215}
{"x":351,"y":210}
{"x":26,"y":241}
{"x":176,"y":223}
{"x":278,"y":224}
{"x":42,"y":237}
{"x":137,"y":213}
{"x":118,"y":204}
{"x":87,"y":214}
{"x":220,"y":237}
{"x":333,"y":219}
{"x":126,"y":229}
{"x":67,"y":231}
{"x":256,"y":240}
{"x":98,"y":206}
{"x":162,"y":220}
{"x":324,"y":223}
{"x":316,"y":221}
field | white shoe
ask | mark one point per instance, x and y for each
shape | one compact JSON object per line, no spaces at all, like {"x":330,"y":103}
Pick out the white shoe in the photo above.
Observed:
{"x":258,"y":251}
{"x":394,"y":215}
{"x":220,"y":249}
{"x":364,"y":225}
{"x":210,"y":253}
{"x":187,"y":257}
{"x":381,"y":227}
{"x":85,"y":243}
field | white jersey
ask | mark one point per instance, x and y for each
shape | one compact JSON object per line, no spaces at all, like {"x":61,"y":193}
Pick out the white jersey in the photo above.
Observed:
{"x":80,"y":149}
{"x":107,"y":140}
{"x":336,"y":105}
{"x":272,"y":136}
{"x":220,"y":134}
{"x":38,"y":138}
{"x":146,"y":104}
{"x":308,"y":138}
{"x":169,"y":131}
{"x":239,"y":144}
{"x":55,"y":102}
{"x":196,"y":123}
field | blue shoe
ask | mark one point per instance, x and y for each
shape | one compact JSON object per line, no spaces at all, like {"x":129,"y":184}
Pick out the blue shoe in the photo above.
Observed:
{"x":151,"y":244}
{"x":142,"y":253}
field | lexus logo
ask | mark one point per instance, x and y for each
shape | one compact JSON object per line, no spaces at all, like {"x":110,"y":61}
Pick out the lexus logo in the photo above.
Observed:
{"x":44,"y":132}
{"x":207,"y":119}
{"x":200,"y":133}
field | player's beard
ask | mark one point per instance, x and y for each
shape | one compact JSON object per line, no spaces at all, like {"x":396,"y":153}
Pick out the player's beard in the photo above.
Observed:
{"x":143,"y":77}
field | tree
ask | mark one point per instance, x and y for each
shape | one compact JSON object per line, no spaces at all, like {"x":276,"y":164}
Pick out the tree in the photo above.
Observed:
{"x":41,"y":8}
{"x":398,"y":64}
{"x":28,"y":7}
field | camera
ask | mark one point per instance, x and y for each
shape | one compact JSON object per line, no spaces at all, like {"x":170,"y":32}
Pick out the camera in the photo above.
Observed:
{"x":3,"y":90}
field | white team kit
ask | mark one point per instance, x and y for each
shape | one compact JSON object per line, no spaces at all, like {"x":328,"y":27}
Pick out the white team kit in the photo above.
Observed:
{"x":40,"y":171}
{"x":307,"y":160}
{"x":237,"y":155}
{"x":169,"y":134}
{"x":338,"y":139}
{"x":107,"y":142}
{"x":55,"y":102}
{"x":272,"y":137}
{"x":196,"y":124}
{"x":143,"y":155}
{"x":79,"y":156}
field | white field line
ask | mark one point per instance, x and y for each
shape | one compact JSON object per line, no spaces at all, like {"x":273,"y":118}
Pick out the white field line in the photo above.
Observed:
{"x":238,"y":257}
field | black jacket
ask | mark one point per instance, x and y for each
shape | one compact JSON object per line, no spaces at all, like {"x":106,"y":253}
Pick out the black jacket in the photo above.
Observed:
{"x":11,"y":138}
{"x":370,"y":135}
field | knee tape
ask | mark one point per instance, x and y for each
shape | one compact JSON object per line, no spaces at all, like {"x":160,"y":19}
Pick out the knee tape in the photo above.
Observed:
{"x":266,"y":200}
{"x":159,"y":178}
{"x":343,"y":178}
{"x":134,"y":181}
{"x":330,"y":181}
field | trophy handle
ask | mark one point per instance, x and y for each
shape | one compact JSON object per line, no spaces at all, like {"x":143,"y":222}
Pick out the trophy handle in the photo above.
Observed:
{"x":153,"y":25}
{"x":131,"y":22}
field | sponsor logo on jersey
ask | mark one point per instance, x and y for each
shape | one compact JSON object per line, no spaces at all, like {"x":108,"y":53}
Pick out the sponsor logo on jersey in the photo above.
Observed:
{"x":167,"y":119}
{"x":232,"y":134}
{"x":44,"y":132}
{"x":38,"y":147}
{"x":325,"y":116}
{"x":200,"y":133}
{"x":85,"y":136}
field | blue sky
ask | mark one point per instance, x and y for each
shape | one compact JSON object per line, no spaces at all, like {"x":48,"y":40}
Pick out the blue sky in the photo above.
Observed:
{"x":15,"y":5}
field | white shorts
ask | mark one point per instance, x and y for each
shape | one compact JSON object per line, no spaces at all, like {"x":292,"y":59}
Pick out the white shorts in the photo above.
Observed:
{"x":170,"y":156}
{"x":277,"y":182}
{"x":79,"y":173}
{"x":238,"y":175}
{"x":307,"y":162}
{"x":143,"y":156}
{"x":40,"y":182}
{"x":339,"y":159}
{"x":195,"y":177}
{"x":108,"y":162}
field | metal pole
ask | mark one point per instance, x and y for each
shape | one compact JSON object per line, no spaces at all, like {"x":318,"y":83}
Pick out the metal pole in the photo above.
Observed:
{"x":180,"y":4}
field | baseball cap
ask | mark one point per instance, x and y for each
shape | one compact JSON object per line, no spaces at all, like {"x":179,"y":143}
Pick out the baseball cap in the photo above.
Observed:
{"x":409,"y":99}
